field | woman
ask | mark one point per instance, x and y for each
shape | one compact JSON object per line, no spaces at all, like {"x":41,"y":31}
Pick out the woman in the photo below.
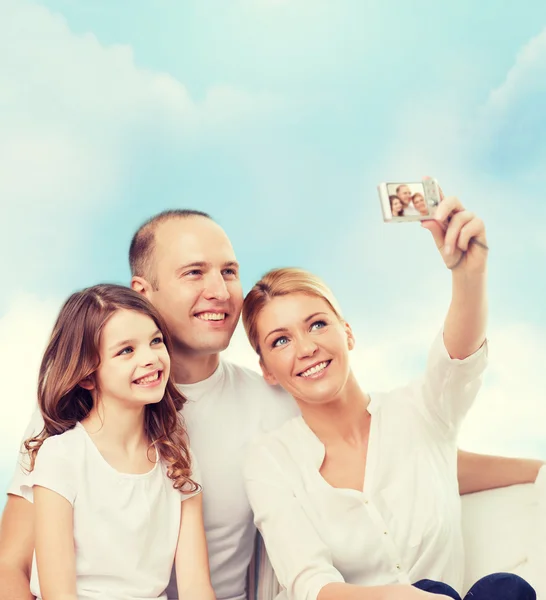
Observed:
{"x":420,"y":203}
{"x":116,"y":494}
{"x":357,"y":498}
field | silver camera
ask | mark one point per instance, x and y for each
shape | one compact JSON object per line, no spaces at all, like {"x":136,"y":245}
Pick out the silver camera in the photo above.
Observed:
{"x":404,"y":201}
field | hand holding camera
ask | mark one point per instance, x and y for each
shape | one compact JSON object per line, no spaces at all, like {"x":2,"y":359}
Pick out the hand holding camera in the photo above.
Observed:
{"x":459,"y":235}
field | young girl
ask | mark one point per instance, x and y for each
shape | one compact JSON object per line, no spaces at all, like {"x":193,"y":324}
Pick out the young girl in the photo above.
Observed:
{"x":115,"y":490}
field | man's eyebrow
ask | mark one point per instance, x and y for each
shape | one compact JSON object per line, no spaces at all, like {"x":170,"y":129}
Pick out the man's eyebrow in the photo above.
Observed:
{"x":201,"y":264}
{"x":232,"y":263}
{"x":306,"y":320}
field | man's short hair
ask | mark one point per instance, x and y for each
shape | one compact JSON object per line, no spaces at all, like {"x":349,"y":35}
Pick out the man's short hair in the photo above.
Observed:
{"x":400,"y":187}
{"x":141,"y":250}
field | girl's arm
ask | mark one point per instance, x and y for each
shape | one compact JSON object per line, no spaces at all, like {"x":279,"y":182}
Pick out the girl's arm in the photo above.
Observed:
{"x":54,"y":542}
{"x":191,"y":560}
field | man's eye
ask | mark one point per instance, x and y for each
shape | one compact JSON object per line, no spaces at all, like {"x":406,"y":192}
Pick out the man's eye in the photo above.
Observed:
{"x":230,"y":272}
{"x":282,"y":341}
{"x":194,"y":272}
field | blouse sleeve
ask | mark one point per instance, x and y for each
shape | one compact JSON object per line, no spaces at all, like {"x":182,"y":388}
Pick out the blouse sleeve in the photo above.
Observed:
{"x":450,"y":385}
{"x":21,"y":477}
{"x":301,"y":560}
{"x":53,"y":470}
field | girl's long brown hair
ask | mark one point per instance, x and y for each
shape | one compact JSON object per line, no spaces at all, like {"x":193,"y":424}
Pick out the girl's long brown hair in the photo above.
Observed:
{"x":72,"y":356}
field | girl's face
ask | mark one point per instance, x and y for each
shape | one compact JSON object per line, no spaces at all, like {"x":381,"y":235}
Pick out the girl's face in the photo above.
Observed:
{"x":396,"y":207}
{"x":134,"y":362}
{"x":304,"y":347}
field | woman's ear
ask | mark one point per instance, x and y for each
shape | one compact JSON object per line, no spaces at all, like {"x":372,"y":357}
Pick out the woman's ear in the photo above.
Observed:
{"x":350,"y":335}
{"x":270,"y":379}
{"x":88,"y":383}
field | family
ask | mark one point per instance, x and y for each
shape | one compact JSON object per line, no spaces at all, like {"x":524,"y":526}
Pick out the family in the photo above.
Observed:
{"x":151,"y":461}
{"x":406,"y":204}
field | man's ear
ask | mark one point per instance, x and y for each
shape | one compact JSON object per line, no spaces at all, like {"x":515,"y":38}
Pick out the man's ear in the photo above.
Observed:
{"x":141,"y":285}
{"x":351,"y":342}
{"x":88,"y":383}
{"x":270,"y":379}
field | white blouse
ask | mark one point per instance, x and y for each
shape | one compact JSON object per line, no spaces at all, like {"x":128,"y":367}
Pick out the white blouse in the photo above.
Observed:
{"x":405,"y":524}
{"x":125,"y":525}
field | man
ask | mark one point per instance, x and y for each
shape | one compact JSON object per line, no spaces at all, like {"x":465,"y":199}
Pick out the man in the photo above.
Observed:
{"x":185,"y":264}
{"x":404,"y":193}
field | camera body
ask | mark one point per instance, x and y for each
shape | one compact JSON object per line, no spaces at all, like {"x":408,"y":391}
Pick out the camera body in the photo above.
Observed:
{"x":409,"y":201}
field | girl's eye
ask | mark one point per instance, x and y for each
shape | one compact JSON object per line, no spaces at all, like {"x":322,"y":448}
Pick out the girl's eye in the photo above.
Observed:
{"x":125,"y":351}
{"x":318,"y":325}
{"x":280,"y":342}
{"x":157,"y":340}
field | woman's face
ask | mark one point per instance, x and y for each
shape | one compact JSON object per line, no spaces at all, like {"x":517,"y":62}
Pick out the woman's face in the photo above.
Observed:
{"x":396,"y":207}
{"x":304,"y":347}
{"x":420,"y":204}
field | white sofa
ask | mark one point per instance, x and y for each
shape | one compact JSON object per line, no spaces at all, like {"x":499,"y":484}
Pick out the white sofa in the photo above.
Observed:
{"x":504,"y":531}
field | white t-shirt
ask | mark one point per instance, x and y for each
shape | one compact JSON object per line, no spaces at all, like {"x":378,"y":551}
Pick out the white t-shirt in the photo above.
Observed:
{"x":405,"y":524}
{"x":223,"y":414}
{"x":125,"y":525}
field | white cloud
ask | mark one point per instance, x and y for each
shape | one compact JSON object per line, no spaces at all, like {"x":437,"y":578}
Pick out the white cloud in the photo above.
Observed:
{"x":24,"y":331}
{"x":72,"y":110}
{"x":525,"y":78}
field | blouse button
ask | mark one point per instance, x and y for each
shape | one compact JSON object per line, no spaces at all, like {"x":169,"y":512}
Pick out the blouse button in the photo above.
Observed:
{"x":384,"y":533}
{"x":398,"y":567}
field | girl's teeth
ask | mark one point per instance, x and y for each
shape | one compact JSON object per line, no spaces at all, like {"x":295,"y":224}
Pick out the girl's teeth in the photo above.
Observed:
{"x":148,"y":379}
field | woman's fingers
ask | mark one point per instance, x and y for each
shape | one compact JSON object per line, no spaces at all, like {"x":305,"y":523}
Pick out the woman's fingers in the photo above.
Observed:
{"x":451,"y":239}
{"x":472,"y":229}
{"x":447,"y":207}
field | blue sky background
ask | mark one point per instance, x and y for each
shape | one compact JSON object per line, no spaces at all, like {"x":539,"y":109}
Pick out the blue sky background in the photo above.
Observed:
{"x":279,"y":117}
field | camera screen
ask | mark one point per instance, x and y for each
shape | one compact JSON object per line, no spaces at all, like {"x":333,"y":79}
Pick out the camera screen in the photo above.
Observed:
{"x":408,"y":200}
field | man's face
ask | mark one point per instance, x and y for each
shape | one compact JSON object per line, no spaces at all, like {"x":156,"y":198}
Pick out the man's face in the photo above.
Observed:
{"x":404,"y":194}
{"x":198,"y":293}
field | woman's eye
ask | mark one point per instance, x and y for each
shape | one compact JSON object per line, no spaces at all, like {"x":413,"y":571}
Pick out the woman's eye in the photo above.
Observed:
{"x":280,"y":341}
{"x":157,"y":340}
{"x":318,"y":325}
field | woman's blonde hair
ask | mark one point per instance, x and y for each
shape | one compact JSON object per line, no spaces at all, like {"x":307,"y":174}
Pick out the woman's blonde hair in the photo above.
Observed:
{"x":281,"y":282}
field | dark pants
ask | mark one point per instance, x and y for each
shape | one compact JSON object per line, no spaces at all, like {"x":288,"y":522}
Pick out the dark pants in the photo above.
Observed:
{"x":498,"y":586}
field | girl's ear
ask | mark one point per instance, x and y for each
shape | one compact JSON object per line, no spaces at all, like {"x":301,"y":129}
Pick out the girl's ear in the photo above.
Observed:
{"x":270,"y":379}
{"x":350,"y":336}
{"x":88,"y":383}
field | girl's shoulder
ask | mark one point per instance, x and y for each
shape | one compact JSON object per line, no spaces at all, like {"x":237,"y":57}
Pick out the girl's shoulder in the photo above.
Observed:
{"x":70,"y":443}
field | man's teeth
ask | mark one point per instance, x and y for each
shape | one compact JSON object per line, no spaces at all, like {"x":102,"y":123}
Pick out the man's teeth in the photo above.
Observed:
{"x":148,"y":379}
{"x":315,"y":369}
{"x":209,"y":316}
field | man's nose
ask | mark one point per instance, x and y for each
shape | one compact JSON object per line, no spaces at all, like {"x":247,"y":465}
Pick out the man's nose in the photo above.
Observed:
{"x":216,"y":287}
